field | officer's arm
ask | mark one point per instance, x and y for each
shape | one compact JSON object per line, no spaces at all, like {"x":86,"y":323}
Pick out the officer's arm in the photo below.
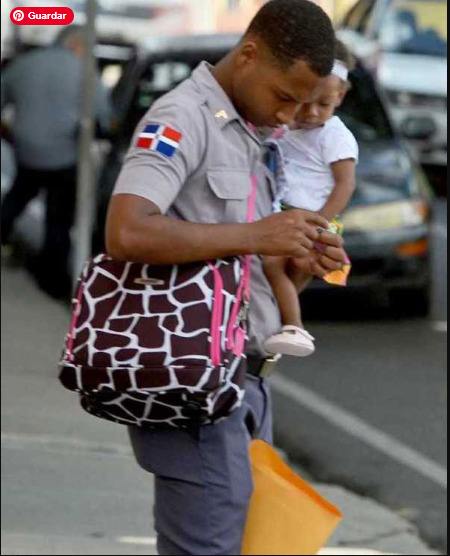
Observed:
{"x":138,"y":232}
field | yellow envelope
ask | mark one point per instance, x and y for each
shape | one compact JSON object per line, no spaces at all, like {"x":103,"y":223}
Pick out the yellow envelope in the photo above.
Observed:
{"x":287,"y":516}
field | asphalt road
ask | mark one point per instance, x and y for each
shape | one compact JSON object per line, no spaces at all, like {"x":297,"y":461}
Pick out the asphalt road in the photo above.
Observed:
{"x":369,"y":409}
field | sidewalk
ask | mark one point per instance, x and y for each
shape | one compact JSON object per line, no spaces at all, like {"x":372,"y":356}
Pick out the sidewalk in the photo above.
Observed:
{"x":71,"y":485}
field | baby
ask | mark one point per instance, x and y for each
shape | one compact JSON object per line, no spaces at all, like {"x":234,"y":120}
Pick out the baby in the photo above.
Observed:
{"x":315,"y":169}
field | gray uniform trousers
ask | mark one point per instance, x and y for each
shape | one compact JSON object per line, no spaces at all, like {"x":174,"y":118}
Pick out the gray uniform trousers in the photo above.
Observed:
{"x":203,"y":481}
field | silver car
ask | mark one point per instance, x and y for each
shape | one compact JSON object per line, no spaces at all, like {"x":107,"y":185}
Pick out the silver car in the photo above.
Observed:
{"x":405,"y":43}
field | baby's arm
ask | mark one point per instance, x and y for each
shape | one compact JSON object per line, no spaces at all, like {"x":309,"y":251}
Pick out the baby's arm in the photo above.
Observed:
{"x":344,"y":172}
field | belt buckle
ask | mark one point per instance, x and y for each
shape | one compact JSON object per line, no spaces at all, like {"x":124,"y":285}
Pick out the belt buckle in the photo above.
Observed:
{"x":269,"y":365}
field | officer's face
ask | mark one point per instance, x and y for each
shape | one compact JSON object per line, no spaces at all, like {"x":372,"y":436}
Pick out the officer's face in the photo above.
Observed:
{"x":265,"y":93}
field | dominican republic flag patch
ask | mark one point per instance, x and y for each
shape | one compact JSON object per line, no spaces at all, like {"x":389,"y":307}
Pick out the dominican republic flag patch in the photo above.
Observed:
{"x":159,"y":138}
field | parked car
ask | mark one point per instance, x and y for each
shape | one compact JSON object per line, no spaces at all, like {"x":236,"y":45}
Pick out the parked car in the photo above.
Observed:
{"x":388,"y":222}
{"x":405,"y":42}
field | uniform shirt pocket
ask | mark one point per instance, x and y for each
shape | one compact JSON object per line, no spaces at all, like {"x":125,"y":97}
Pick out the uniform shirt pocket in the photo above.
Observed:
{"x":231,"y":189}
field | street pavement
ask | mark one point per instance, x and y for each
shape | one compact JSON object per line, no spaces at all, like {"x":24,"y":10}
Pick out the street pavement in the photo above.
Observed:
{"x":69,"y":482}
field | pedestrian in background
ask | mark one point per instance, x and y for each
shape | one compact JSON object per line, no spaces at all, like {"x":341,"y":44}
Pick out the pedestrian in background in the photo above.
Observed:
{"x":45,"y":89}
{"x":181,"y":197}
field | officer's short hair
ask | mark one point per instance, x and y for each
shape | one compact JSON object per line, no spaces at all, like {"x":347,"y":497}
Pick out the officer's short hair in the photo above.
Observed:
{"x":69,"y":34}
{"x":296,"y":30}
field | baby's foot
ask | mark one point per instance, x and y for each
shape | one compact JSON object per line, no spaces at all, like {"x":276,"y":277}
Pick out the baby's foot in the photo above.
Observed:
{"x":291,"y":341}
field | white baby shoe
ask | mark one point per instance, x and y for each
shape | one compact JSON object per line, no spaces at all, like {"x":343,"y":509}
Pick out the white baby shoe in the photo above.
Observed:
{"x":291,"y":341}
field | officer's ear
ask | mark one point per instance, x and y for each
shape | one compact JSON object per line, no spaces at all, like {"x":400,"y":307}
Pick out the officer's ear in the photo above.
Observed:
{"x":247,"y":53}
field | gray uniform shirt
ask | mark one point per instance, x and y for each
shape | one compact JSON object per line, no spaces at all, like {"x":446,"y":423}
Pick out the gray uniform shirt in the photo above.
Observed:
{"x":45,"y":88}
{"x":208,"y":177}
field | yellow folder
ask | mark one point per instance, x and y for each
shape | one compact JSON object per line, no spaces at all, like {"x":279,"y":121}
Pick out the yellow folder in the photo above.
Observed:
{"x":287,"y":516}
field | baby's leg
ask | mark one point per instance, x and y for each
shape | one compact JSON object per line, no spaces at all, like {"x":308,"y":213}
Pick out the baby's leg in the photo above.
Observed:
{"x":293,"y":338}
{"x":298,"y":277}
{"x":284,"y":290}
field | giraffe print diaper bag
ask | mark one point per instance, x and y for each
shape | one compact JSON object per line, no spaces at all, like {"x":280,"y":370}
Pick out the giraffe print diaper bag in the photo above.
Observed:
{"x":159,"y":346}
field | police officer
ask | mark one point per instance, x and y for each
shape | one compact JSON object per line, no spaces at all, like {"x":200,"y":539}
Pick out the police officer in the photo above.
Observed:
{"x":182,"y":197}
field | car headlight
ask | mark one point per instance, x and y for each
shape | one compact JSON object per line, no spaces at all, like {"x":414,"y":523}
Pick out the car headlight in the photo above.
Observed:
{"x":387,"y":216}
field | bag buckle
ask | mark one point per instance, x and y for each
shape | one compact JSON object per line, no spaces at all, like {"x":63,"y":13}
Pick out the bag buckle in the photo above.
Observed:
{"x":244,"y":312}
{"x":269,"y":366}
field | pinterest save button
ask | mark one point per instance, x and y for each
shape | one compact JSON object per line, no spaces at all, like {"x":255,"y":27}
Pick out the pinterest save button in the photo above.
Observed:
{"x":42,"y":16}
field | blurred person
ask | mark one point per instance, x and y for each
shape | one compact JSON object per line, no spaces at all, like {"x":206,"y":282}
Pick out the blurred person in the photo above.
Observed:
{"x":45,"y":88}
{"x":316,"y":170}
{"x":182,"y":197}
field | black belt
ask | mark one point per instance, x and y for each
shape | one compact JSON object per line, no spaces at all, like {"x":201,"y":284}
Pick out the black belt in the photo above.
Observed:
{"x":262,"y":368}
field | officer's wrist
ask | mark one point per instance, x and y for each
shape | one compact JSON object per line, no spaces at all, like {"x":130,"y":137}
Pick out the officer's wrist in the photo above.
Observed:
{"x":252,"y":239}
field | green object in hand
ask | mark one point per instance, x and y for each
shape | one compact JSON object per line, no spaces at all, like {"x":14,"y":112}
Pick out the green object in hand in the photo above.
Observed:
{"x":336,"y":226}
{"x":285,"y":207}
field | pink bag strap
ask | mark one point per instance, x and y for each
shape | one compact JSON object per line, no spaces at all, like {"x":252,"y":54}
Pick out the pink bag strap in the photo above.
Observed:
{"x":247,"y":269}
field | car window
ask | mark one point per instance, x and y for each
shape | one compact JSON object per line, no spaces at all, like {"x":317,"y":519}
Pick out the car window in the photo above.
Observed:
{"x":158,"y":79}
{"x":363,"y":111}
{"x":111,"y":74}
{"x":359,"y":17}
{"x":415,"y":27}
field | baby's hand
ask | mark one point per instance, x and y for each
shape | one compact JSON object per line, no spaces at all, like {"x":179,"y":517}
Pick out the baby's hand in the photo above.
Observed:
{"x":326,"y":214}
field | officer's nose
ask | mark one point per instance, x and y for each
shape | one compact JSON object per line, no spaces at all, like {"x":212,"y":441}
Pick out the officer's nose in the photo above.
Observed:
{"x":287,"y":115}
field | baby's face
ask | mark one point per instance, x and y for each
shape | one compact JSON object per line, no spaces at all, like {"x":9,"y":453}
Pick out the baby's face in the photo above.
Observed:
{"x":316,"y":114}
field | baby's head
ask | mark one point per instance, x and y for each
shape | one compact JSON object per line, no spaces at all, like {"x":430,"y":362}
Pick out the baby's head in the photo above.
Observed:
{"x":330,"y":94}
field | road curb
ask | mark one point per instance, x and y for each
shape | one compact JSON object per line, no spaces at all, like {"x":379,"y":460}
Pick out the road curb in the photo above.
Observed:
{"x":368,"y":524}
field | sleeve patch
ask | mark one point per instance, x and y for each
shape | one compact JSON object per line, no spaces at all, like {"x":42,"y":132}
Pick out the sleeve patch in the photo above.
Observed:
{"x":159,"y":138}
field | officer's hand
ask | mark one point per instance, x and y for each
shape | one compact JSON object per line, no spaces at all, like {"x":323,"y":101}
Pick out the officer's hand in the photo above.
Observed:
{"x":288,"y":234}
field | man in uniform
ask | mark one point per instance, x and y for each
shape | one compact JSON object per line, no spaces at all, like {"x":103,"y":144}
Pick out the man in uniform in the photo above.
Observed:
{"x":182,"y":197}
